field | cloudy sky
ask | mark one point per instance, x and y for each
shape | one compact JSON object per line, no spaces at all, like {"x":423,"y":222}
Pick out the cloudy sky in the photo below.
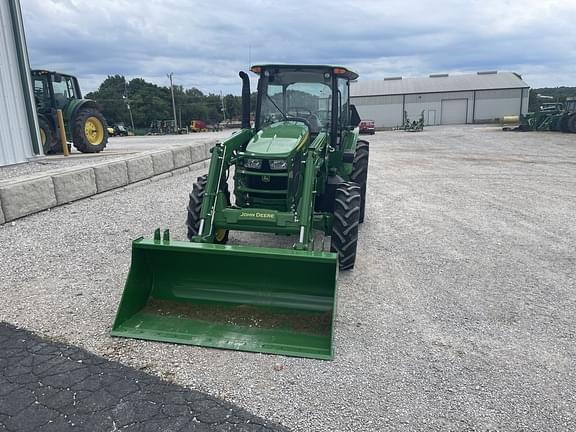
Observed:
{"x":206,"y":43}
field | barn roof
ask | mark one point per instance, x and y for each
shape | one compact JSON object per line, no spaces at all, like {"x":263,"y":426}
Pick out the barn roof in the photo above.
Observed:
{"x":438,"y":83}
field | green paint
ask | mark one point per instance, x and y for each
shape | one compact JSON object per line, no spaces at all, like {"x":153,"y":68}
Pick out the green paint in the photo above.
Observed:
{"x":278,"y":141}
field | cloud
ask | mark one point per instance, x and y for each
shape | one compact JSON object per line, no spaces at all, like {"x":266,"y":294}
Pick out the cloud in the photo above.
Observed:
{"x":206,"y":44}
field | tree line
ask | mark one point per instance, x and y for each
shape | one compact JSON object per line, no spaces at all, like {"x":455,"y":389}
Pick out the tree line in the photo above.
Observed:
{"x":150,"y":102}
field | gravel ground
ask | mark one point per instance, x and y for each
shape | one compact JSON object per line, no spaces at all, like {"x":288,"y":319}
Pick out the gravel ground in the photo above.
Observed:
{"x":459,"y":315}
{"x":118,"y":148}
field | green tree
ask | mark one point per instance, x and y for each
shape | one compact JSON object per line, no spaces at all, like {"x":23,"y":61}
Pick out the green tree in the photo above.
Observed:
{"x":150,"y":102}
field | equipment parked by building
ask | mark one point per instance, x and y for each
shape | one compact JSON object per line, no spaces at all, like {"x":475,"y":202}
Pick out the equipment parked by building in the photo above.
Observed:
{"x":550,"y":116}
{"x":413,"y":126}
{"x":367,"y":127}
{"x":84,"y":124}
{"x":300,"y":170}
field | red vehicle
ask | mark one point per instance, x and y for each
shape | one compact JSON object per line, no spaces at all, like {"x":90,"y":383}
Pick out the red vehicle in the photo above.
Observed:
{"x":367,"y":127}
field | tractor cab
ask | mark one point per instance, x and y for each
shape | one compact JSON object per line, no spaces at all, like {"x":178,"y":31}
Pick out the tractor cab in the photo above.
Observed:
{"x":317,"y":96}
{"x":53,"y":90}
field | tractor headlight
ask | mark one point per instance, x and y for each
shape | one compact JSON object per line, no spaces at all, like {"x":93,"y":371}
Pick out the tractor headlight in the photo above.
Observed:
{"x":278,"y":164}
{"x":253,"y":163}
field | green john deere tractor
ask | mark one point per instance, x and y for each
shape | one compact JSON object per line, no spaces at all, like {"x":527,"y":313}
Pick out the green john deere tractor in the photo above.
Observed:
{"x":550,"y":116}
{"x":84,"y":124}
{"x":299,"y":170}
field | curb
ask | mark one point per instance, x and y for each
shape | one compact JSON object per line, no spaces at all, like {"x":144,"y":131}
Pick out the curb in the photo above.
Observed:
{"x":33,"y":194}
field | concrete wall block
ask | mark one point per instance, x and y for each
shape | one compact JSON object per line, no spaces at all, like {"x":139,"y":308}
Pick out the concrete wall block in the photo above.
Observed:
{"x":207,"y":147}
{"x":139,"y":168}
{"x":27,"y":197}
{"x":182,"y":156}
{"x":111,"y":175}
{"x":74,"y":185}
{"x":198,"y":153}
{"x":162,"y":162}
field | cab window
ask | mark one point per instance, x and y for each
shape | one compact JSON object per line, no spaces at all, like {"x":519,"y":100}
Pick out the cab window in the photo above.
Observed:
{"x":41,"y":92}
{"x":343,"y":103}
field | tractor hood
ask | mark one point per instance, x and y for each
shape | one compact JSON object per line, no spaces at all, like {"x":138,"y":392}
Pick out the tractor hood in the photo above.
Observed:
{"x":278,"y":140}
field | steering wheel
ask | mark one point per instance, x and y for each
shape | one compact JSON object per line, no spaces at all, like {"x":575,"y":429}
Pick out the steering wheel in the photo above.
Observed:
{"x":300,"y":119}
{"x":300,"y":111}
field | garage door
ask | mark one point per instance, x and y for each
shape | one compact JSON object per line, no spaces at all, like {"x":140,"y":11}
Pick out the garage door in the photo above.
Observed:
{"x":454,"y":111}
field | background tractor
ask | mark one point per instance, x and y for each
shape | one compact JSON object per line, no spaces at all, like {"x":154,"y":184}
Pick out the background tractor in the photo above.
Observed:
{"x":84,"y":124}
{"x":300,"y":171}
{"x":550,"y":116}
{"x":117,"y":129}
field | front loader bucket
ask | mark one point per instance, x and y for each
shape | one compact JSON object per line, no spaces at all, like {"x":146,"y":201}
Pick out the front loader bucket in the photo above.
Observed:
{"x":236,"y":297}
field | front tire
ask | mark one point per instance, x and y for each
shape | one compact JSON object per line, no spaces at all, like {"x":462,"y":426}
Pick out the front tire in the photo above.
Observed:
{"x":90,"y":133}
{"x":360,"y":172}
{"x":345,"y":225}
{"x":195,"y":206}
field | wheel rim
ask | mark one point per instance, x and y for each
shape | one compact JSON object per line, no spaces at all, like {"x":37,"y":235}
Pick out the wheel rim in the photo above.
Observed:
{"x":94,"y":130}
{"x":42,"y":137}
{"x":220,"y":235}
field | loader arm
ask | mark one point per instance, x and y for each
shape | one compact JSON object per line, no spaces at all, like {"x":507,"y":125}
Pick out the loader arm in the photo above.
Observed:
{"x":314,"y":163}
{"x":219,"y":164}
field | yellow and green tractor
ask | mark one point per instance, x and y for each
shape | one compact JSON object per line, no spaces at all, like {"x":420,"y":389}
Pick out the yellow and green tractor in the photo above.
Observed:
{"x":84,"y":124}
{"x":299,"y":172}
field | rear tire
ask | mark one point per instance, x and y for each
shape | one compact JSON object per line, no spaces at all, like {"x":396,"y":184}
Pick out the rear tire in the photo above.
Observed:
{"x":195,"y":206}
{"x":345,"y":225}
{"x":360,"y":172}
{"x":47,"y":136}
{"x":90,"y":133}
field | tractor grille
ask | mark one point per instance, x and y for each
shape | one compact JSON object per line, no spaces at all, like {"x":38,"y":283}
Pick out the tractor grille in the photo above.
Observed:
{"x":265,"y":182}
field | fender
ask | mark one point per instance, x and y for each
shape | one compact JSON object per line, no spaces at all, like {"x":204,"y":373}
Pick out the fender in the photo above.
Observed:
{"x":71,"y":110}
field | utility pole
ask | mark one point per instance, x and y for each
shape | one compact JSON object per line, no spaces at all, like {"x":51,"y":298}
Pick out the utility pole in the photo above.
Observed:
{"x":173,"y":103}
{"x":128,"y":104}
{"x":223,"y":110}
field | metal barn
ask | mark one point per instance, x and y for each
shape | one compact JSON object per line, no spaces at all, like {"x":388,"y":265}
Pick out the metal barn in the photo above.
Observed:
{"x":19,"y":133}
{"x":482,"y":97}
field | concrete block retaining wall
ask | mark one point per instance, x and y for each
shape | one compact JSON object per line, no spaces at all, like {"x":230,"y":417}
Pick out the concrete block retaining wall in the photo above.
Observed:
{"x":24,"y":196}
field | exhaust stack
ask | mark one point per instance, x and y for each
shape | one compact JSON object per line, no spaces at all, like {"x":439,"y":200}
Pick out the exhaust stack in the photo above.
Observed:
{"x":245,"y":100}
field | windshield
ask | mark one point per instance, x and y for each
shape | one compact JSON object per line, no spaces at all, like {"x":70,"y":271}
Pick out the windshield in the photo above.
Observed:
{"x":295,"y":95}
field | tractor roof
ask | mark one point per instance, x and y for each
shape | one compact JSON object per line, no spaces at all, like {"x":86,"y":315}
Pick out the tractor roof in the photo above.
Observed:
{"x":47,"y":72}
{"x":339,"y":70}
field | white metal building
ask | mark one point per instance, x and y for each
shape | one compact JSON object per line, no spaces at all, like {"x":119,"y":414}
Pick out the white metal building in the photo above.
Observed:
{"x":482,"y":97}
{"x":19,"y":132}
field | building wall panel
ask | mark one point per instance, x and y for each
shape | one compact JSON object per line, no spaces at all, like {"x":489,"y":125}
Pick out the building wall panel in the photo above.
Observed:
{"x":15,"y":135}
{"x":495,"y":104}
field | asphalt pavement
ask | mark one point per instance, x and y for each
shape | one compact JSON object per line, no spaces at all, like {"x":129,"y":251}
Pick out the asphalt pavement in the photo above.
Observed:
{"x":51,"y":387}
